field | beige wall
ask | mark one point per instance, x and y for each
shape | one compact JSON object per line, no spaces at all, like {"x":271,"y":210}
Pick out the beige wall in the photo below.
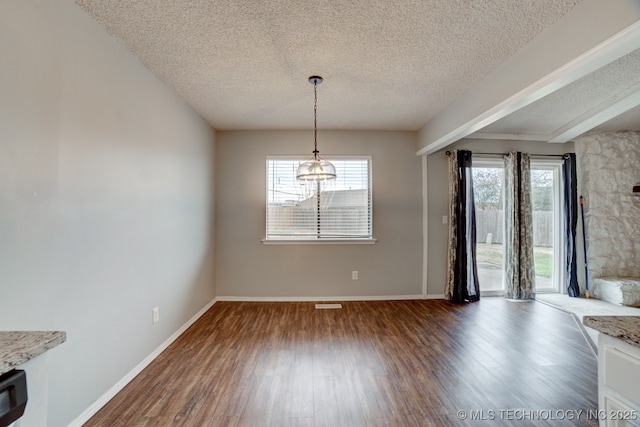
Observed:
{"x":106,"y":200}
{"x":438,"y":196}
{"x":245,"y":267}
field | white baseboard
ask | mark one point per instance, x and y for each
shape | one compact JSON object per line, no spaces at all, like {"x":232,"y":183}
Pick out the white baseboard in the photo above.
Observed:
{"x":334,"y":298}
{"x":98,"y":404}
{"x":316,"y":299}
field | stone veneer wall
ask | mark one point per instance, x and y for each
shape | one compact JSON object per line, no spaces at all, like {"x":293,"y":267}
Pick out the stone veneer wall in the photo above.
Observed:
{"x":610,"y":165}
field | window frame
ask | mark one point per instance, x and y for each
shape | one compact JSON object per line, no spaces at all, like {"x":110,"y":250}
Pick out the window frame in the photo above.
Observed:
{"x":308,"y":240}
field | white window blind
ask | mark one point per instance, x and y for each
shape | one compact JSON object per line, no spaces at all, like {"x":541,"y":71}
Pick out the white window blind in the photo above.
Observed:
{"x":303,"y":210}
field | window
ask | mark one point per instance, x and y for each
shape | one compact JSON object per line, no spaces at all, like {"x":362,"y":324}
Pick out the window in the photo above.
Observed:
{"x":339,"y":209}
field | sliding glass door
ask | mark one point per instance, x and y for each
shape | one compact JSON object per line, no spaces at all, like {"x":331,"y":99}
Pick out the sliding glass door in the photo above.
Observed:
{"x":488,"y":183}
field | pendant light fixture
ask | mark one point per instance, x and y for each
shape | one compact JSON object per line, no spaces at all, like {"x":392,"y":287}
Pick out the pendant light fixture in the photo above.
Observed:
{"x":316,"y":169}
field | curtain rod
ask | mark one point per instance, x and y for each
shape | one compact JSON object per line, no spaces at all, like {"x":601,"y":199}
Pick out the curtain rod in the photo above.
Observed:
{"x":562,"y":156}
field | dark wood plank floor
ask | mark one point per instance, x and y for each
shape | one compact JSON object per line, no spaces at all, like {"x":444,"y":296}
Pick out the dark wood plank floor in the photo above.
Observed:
{"x":386,"y":363}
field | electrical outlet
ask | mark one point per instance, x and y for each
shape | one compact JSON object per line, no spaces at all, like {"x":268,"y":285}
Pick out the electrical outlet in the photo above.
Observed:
{"x":354,"y":275}
{"x":445,"y":219}
{"x":156,"y":315}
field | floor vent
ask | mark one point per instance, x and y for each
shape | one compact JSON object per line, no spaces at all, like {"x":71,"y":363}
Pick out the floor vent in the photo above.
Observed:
{"x":328,"y":306}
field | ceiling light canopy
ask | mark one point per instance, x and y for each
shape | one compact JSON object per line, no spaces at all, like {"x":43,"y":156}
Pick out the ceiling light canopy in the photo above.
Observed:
{"x":316,"y":169}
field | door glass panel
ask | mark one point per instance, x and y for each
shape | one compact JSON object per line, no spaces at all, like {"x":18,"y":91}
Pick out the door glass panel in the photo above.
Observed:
{"x":543,"y":191}
{"x":488,"y":183}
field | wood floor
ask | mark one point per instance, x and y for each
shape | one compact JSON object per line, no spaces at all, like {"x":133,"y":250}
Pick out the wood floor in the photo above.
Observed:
{"x":376,"y":363}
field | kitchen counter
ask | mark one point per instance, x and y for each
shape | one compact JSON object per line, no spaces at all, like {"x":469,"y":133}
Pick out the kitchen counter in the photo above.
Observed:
{"x":18,"y":347}
{"x":624,"y":328}
{"x":618,"y":369}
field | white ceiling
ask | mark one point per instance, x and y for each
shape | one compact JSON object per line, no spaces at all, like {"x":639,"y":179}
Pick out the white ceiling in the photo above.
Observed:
{"x":446,"y":68}
{"x":577,"y":103}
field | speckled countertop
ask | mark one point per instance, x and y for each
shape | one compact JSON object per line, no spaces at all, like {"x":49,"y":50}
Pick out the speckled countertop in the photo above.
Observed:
{"x":18,"y":347}
{"x":625,"y":328}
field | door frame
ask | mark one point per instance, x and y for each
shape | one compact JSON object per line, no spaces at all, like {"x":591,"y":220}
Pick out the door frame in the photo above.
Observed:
{"x":555,"y":165}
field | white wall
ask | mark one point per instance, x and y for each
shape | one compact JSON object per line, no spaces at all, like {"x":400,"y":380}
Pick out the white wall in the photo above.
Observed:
{"x":438,"y":194}
{"x":106,"y":200}
{"x":610,"y":168}
{"x":245,"y":267}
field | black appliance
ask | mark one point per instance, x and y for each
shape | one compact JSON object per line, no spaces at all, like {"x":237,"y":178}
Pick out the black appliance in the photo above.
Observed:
{"x":13,"y":396}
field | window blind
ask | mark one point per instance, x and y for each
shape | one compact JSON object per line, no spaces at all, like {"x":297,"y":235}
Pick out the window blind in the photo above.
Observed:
{"x":306,"y":210}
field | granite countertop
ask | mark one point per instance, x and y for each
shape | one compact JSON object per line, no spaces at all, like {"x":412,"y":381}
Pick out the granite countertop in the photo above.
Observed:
{"x":18,"y":347}
{"x":625,"y":328}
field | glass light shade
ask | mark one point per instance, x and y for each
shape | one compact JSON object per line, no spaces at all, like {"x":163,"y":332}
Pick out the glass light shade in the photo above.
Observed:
{"x":316,"y":169}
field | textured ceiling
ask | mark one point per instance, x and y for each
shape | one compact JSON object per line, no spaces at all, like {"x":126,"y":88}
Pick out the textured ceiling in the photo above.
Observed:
{"x":387,"y":64}
{"x":550,"y":113}
{"x":629,"y":120}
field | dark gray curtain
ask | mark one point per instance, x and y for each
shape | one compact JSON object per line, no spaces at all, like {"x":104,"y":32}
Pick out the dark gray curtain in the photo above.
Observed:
{"x":570,"y":196}
{"x":519,"y":269}
{"x":462,"y":271}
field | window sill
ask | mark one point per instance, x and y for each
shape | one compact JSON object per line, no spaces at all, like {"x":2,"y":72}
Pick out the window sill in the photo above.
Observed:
{"x":319,"y":242}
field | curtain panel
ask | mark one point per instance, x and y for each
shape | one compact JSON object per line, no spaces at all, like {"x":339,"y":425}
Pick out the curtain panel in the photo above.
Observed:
{"x":519,"y":267}
{"x":570,"y":199}
{"x":462,"y":272}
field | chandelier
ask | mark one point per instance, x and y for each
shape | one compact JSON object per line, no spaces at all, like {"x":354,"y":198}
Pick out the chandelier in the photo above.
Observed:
{"x":316,"y":169}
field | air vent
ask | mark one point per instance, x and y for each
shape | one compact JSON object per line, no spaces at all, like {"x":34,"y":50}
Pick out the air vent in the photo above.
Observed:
{"x":324,"y":306}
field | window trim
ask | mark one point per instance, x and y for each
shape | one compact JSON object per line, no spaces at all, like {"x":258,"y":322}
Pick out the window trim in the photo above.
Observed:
{"x":354,"y":241}
{"x":322,"y":241}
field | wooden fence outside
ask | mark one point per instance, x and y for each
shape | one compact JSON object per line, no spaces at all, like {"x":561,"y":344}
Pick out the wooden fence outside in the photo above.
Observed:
{"x":489,"y":227}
